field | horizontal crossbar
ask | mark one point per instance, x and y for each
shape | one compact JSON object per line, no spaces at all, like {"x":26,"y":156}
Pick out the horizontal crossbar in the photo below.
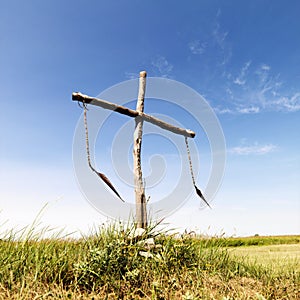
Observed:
{"x":132,"y":113}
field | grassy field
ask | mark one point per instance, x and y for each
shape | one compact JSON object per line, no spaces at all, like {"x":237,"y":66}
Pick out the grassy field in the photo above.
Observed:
{"x":278,"y":258}
{"x":113,"y":264}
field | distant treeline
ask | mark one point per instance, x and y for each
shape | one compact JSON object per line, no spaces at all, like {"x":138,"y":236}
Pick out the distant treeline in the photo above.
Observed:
{"x":256,"y":240}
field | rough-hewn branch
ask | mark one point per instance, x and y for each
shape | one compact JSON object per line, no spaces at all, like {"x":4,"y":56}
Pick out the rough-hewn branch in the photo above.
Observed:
{"x":132,"y":113}
{"x":140,"y":199}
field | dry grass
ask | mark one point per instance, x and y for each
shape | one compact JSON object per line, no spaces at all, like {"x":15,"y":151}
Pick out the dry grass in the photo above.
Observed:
{"x":108,"y":265}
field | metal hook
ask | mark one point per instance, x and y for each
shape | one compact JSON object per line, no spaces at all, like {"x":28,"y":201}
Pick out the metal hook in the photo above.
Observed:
{"x":83,"y":105}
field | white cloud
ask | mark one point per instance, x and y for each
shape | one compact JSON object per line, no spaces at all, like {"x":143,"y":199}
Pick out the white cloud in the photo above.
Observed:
{"x":241,"y":79}
{"x":265,"y":79}
{"x":257,"y":91}
{"x":238,"y":110}
{"x":219,"y":39}
{"x":219,"y":35}
{"x":131,"y":75}
{"x":229,"y":92}
{"x":162,"y":66}
{"x":255,"y":149}
{"x":290,"y":104}
{"x":197,"y":47}
{"x":265,"y":67}
{"x":215,"y":41}
{"x":249,"y":110}
{"x":222,"y":111}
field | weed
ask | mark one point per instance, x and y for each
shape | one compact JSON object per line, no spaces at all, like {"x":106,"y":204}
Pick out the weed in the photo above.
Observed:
{"x":115,"y":263}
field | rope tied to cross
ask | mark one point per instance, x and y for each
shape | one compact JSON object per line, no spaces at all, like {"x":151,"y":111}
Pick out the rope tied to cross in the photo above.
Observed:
{"x":199,"y":193}
{"x":101,"y":175}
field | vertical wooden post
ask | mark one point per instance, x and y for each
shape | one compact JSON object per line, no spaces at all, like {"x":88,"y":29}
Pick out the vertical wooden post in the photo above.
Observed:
{"x":140,"y":198}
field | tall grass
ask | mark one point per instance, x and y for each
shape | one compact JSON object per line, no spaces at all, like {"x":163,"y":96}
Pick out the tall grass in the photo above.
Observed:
{"x":111,"y":263}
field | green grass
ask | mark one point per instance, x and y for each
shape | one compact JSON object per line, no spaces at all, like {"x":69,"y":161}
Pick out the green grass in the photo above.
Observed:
{"x":278,"y":258}
{"x":108,"y":265}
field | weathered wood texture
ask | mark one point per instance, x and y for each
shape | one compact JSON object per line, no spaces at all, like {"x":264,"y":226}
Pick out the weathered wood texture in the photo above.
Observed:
{"x":140,"y":199}
{"x":132,"y":113}
{"x":140,"y":117}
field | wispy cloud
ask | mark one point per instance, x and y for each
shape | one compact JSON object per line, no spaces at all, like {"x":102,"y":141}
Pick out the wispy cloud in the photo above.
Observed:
{"x":265,"y":67}
{"x":162,"y":66}
{"x":197,"y":47}
{"x":131,"y":75}
{"x":290,"y":104}
{"x":214,"y":42}
{"x":237,"y":110}
{"x":255,"y":149}
{"x":271,"y":94}
{"x":241,"y":78}
{"x":255,"y":89}
{"x":249,"y":110}
{"x":219,"y":35}
{"x":263,"y":73}
{"x":222,"y":111}
{"x":219,"y":38}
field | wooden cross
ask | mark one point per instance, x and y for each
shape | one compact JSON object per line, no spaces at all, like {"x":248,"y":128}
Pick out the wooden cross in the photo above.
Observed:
{"x":140,"y":117}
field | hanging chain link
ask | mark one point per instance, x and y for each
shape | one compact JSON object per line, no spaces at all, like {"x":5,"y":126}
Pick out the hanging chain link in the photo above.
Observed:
{"x":199,"y":193}
{"x":190,"y":160}
{"x":87,"y":137}
{"x":101,"y":175}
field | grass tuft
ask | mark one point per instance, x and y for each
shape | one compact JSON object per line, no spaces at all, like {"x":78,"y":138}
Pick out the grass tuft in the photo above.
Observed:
{"x":115,"y":263}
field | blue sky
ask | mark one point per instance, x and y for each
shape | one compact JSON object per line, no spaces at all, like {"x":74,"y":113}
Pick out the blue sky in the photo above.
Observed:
{"x":242,"y":56}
